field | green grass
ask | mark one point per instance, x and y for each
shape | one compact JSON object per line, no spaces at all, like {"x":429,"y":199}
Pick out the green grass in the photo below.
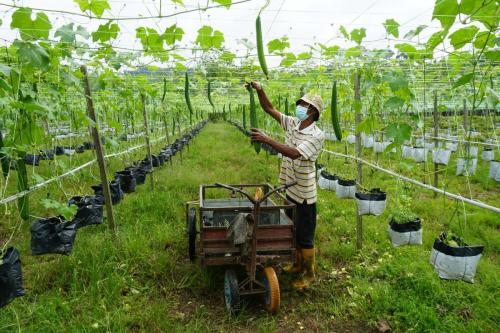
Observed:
{"x":144,"y":282}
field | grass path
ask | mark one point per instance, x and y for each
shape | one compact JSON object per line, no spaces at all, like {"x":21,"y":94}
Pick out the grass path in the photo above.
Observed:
{"x":145,"y":283}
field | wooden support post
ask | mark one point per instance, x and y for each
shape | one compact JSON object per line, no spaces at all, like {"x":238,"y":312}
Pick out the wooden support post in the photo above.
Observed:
{"x":359,"y":165}
{"x":148,"y":143}
{"x":99,"y":152}
{"x":436,"y":133}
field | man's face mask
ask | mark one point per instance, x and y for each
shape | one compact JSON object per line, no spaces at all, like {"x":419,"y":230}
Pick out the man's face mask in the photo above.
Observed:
{"x":301,"y":112}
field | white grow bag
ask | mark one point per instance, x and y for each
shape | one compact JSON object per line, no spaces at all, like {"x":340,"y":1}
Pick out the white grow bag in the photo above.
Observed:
{"x":409,"y":233}
{"x":441,"y":156}
{"x":495,"y":170}
{"x":407,"y":151}
{"x":419,"y":154}
{"x":455,"y":263}
{"x":327,"y":181}
{"x":367,"y":141}
{"x":466,"y":167}
{"x":487,"y":155}
{"x":351,"y":139}
{"x":346,"y":189}
{"x":372,"y":203}
{"x":453,"y":146}
{"x":471,"y":151}
{"x":429,"y":145}
{"x":68,"y":151}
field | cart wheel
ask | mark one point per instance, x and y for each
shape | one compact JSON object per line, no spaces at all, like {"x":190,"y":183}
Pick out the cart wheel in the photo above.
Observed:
{"x":191,"y":230}
{"x":272,"y":294}
{"x":231,"y":291}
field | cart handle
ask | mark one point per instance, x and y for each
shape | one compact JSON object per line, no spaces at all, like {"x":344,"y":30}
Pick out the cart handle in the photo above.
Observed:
{"x":235,"y":189}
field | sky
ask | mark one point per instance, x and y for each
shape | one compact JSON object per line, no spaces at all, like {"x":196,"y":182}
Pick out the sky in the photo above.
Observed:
{"x":304,"y":22}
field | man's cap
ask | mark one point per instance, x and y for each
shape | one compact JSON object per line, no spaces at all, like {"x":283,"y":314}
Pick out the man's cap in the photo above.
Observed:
{"x":314,"y":100}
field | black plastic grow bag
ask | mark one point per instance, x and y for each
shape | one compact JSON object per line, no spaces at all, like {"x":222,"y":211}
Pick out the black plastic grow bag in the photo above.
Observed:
{"x":47,"y":154}
{"x":127,"y":180}
{"x":89,"y":212}
{"x":414,"y":225}
{"x":59,"y":150}
{"x":156,"y":161}
{"x":80,"y":149}
{"x":375,"y":194}
{"x":88,"y":145}
{"x":327,"y":175}
{"x":52,"y":235}
{"x":462,"y":251}
{"x":11,"y":278}
{"x":114,"y":189}
{"x":31,"y":159}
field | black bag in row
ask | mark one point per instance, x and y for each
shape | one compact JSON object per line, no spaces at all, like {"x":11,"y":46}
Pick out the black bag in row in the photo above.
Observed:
{"x":52,"y":235}
{"x":11,"y":277}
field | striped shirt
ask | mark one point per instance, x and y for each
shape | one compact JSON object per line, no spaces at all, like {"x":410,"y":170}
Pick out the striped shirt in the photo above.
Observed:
{"x":308,"y":142}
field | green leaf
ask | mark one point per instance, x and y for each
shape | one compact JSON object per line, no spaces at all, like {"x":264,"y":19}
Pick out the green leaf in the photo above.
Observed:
{"x":486,"y":12}
{"x":463,"y":36}
{"x":150,"y":39}
{"x":493,"y":55}
{"x":394,"y":102}
{"x":227,"y":56}
{"x":173,"y":34}
{"x":464,"y":79}
{"x":329,"y":51}
{"x":105,"y":32}
{"x":67,"y":33}
{"x":484,"y":38}
{"x":409,"y":49}
{"x":180,"y":2}
{"x":208,"y":38}
{"x":445,"y":11}
{"x":344,"y":32}
{"x":304,"y":56}
{"x":288,"y":60}
{"x":97,"y":7}
{"x":32,"y":54}
{"x":414,"y":33}
{"x":225,"y":3}
{"x":279,"y":44}
{"x":392,"y":27}
{"x":357,"y":35}
{"x":31,"y":29}
{"x":352,"y":52}
{"x":435,"y":39}
{"x":399,"y":132}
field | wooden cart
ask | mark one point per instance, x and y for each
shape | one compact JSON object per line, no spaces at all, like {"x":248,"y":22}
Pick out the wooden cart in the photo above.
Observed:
{"x":272,"y":241}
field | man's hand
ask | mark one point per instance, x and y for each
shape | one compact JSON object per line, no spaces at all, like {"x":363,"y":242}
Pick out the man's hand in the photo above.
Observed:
{"x":254,"y":84}
{"x":258,"y":136}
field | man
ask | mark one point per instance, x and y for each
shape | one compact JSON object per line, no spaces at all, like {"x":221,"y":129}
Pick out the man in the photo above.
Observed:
{"x":303,"y":143}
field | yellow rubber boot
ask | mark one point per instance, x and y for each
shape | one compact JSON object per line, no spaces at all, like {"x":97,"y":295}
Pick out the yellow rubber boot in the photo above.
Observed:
{"x":308,"y":276}
{"x":296,"y":267}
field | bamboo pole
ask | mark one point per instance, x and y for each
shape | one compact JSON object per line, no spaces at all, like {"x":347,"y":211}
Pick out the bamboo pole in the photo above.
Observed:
{"x":436,"y":126}
{"x":99,"y":152}
{"x":148,"y":143}
{"x":359,"y":165}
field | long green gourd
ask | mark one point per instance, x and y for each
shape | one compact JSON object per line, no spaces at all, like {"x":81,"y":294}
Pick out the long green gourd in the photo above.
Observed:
{"x":253,"y":116}
{"x":335,"y":113}
{"x":209,"y":92}
{"x":244,"y":118}
{"x":286,"y":106}
{"x":188,"y":100}
{"x":260,"y":43}
{"x":22,"y":185}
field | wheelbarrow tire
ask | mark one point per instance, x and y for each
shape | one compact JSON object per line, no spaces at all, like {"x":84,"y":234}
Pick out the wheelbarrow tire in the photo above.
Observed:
{"x":191,"y":229}
{"x":231,"y":292}
{"x":272,"y":294}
